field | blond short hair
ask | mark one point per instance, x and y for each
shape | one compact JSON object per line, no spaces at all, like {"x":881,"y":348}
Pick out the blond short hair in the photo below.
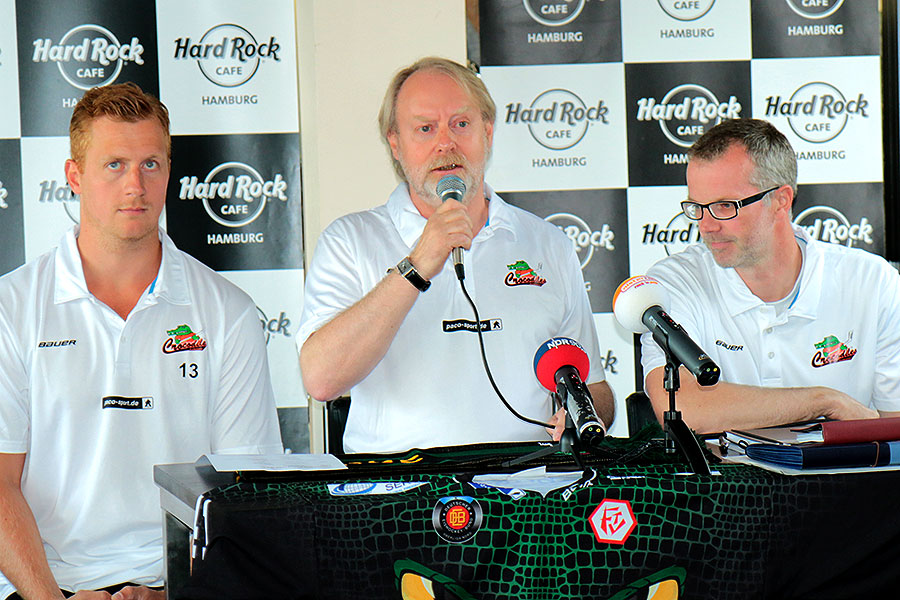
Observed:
{"x":119,"y":101}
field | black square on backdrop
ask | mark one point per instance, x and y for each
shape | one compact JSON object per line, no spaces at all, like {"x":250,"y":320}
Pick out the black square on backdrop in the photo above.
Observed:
{"x":234,"y":200}
{"x":12,"y":225}
{"x":540,"y":32}
{"x":66,"y":48}
{"x":597,"y":223}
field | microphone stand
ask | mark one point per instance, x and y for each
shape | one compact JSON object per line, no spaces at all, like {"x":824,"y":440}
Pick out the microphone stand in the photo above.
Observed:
{"x":678,"y":434}
{"x":568,"y":443}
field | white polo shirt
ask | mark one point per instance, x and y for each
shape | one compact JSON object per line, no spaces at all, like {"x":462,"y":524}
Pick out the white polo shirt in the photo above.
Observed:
{"x":430,"y":389}
{"x":95,"y":401}
{"x":842,"y":330}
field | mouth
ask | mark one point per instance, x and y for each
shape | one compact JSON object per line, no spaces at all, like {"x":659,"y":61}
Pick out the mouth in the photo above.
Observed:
{"x":447,"y":167}
{"x":716,"y":244}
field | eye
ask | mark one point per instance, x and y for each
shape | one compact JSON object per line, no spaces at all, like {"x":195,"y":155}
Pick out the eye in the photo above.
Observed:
{"x":151,"y":163}
{"x":425,"y":128}
{"x":114,"y":165}
{"x":462,"y":124}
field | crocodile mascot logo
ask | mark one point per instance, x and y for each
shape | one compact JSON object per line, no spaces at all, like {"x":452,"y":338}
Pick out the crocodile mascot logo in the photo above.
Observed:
{"x":520,"y":273}
{"x":831,"y":350}
{"x":182,"y":338}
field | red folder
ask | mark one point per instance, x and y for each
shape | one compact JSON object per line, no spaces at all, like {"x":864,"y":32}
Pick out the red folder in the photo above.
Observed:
{"x":858,"y":430}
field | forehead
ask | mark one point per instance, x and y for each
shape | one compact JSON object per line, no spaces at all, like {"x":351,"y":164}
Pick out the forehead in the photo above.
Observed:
{"x":432,"y":93}
{"x":724,"y":177}
{"x":105,"y":134}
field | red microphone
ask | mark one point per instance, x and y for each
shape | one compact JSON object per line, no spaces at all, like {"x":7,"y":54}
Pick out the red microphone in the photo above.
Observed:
{"x":561,"y":365}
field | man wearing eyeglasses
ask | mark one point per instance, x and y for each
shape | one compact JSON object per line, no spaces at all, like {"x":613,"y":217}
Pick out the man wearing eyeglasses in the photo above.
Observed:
{"x":800,"y":328}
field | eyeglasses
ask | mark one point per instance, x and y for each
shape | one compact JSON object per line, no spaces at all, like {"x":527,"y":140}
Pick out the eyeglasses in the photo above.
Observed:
{"x":723,"y":209}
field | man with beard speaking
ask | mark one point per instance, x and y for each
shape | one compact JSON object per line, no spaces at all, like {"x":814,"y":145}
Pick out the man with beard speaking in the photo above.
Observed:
{"x":384,"y":316}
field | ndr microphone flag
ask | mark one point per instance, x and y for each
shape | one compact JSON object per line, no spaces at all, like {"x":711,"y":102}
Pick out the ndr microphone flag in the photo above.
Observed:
{"x":562,"y":366}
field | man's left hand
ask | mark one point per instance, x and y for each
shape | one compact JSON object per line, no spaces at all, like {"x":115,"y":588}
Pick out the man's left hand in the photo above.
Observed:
{"x":559,"y":424}
{"x":139,"y":593}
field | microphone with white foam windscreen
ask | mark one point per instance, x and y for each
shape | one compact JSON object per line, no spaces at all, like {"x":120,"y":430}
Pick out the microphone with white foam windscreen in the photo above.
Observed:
{"x":451,"y":187}
{"x":639,"y":306}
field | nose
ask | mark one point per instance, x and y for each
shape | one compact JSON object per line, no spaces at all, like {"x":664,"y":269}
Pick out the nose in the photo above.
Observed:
{"x":134,"y":181}
{"x":445,"y":140}
{"x":707,"y":223}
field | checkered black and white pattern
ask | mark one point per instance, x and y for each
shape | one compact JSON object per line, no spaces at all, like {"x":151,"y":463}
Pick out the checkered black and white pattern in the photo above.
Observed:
{"x":598,"y":101}
{"x":227,"y":71}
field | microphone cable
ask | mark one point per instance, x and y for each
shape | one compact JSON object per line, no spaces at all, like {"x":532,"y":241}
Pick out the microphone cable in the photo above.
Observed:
{"x":623,"y":458}
{"x":487,"y":368}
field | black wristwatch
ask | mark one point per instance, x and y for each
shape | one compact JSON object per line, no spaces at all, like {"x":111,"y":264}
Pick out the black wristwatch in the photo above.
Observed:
{"x":406,"y":268}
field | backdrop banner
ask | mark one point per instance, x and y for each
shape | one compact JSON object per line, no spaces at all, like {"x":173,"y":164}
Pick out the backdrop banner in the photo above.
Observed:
{"x":598,"y":102}
{"x":227,"y":71}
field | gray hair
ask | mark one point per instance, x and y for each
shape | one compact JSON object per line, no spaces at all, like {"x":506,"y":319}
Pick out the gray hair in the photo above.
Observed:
{"x":774,"y":160}
{"x":466,"y":78}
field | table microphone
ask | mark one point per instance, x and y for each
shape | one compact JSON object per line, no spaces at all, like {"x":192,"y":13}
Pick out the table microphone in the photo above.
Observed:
{"x":561,"y":364}
{"x":638,"y":306}
{"x":451,"y":187}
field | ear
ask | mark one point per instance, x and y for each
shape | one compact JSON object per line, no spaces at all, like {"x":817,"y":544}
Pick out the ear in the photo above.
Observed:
{"x":73,"y":175}
{"x":489,"y":133}
{"x":394,"y":143}
{"x":783,"y":198}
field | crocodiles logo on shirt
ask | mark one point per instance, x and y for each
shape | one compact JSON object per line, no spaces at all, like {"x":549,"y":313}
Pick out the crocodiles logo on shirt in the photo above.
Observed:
{"x":832,"y":350}
{"x":182,"y":338}
{"x":521,"y":273}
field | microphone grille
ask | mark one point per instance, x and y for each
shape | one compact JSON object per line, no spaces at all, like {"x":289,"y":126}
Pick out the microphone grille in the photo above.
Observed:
{"x":451,"y":183}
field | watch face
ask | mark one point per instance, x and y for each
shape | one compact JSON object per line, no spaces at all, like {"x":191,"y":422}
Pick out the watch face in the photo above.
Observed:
{"x":407,"y":269}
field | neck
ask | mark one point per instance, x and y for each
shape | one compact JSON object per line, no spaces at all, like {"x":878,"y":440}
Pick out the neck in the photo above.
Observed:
{"x":774,"y":278}
{"x":117,"y":272}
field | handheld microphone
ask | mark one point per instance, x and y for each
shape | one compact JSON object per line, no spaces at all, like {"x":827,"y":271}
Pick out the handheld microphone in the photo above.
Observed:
{"x":561,"y":364}
{"x":452,"y":187}
{"x":638,"y":306}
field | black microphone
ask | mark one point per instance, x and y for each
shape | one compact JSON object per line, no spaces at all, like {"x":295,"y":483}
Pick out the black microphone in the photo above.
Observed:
{"x":452,"y":187}
{"x":561,"y":364}
{"x":638,"y":306}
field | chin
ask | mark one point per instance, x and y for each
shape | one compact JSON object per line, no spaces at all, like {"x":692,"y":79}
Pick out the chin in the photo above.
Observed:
{"x":137,"y":236}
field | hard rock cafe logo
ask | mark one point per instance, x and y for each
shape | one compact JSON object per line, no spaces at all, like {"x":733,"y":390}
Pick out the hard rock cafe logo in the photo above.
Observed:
{"x":54,"y":191}
{"x":686,"y":111}
{"x":554,"y":13}
{"x":814,"y":9}
{"x":817,"y":111}
{"x":457,"y":518}
{"x":274,"y":326}
{"x":832,"y":350}
{"x":674,"y":236}
{"x":686,"y":10}
{"x":228,"y":55}
{"x":182,"y":338}
{"x":522,"y":274}
{"x":557,"y":119}
{"x":828,"y":224}
{"x":234,"y":194}
{"x":88,"y":55}
{"x":585,"y":239}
